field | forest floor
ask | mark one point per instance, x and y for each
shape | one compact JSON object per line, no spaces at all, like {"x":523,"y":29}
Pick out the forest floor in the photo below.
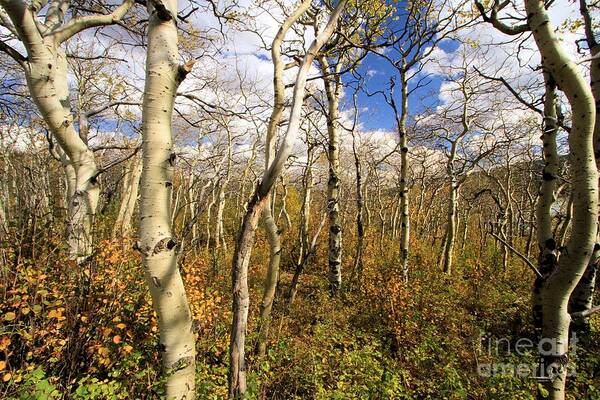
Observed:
{"x":92,"y":333}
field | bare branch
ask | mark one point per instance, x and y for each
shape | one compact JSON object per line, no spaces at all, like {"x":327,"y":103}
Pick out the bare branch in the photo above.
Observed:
{"x":585,"y":313}
{"x":79,"y":24}
{"x":518,"y":254}
{"x":495,"y":21}
{"x":13,"y":53}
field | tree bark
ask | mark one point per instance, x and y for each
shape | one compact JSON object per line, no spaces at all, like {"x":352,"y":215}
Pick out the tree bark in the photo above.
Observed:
{"x":333,"y":86}
{"x":271,"y":228}
{"x":583,"y":296}
{"x":45,"y":70}
{"x":307,"y":184}
{"x":157,"y":244}
{"x":548,"y":255}
{"x":404,"y":216}
{"x":584,"y":177}
{"x":245,"y":241}
{"x":129,"y":195}
{"x":450,"y":225}
{"x":360,"y":228}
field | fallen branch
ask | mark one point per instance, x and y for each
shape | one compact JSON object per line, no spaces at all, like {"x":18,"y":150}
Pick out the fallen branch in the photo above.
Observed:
{"x":519,"y":254}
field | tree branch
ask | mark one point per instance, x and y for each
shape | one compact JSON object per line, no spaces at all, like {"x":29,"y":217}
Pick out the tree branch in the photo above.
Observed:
{"x":585,"y":313}
{"x":519,"y":254}
{"x":496,"y":23}
{"x":106,"y":106}
{"x":79,"y":24}
{"x":13,"y":53}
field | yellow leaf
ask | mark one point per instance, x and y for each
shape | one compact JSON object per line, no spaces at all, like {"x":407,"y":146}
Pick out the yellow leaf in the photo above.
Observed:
{"x":7,"y":377}
{"x":127,"y":348}
{"x":4,"y":343}
{"x":121,"y":326}
{"x":2,"y":365}
{"x":9,"y":316}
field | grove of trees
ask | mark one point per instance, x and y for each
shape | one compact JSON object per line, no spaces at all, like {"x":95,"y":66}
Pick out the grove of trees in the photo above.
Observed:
{"x":299,"y":199}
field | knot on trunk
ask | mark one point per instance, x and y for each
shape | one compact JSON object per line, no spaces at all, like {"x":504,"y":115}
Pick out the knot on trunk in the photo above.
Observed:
{"x":138,"y":246}
{"x":162,"y":12}
{"x":180,"y":364}
{"x":165,"y":244}
{"x":547,"y":176}
{"x":550,"y":244}
{"x":67,"y":121}
{"x":552,"y":366}
{"x":156,"y":282}
{"x":184,"y":69}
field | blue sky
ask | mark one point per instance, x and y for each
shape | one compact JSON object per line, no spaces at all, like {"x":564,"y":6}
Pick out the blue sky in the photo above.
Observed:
{"x":379,"y":115}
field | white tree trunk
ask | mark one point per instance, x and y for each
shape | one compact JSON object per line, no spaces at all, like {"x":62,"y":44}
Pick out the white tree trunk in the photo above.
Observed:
{"x":583,"y":296}
{"x":45,"y":70}
{"x":157,"y":244}
{"x":333,"y":86}
{"x":271,"y":228}
{"x":129,"y":195}
{"x":584,"y":178}
{"x":219,"y":226}
{"x":245,"y":241}
{"x":401,"y":117}
{"x":548,"y":255}
{"x":307,"y":184}
{"x":450,"y":226}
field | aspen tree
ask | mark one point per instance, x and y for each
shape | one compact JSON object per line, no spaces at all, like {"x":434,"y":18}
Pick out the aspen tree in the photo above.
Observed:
{"x":560,"y":277}
{"x":129,"y":195}
{"x":45,"y":69}
{"x":360,"y":225}
{"x":333,"y":86}
{"x":583,"y":295}
{"x":584,"y":177}
{"x":421,"y":38}
{"x":156,"y":241}
{"x":548,"y":255}
{"x":245,"y":240}
{"x":356,"y":32}
{"x":458,"y":120}
{"x":305,"y":211}
{"x":283,"y":210}
{"x":267,"y":213}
